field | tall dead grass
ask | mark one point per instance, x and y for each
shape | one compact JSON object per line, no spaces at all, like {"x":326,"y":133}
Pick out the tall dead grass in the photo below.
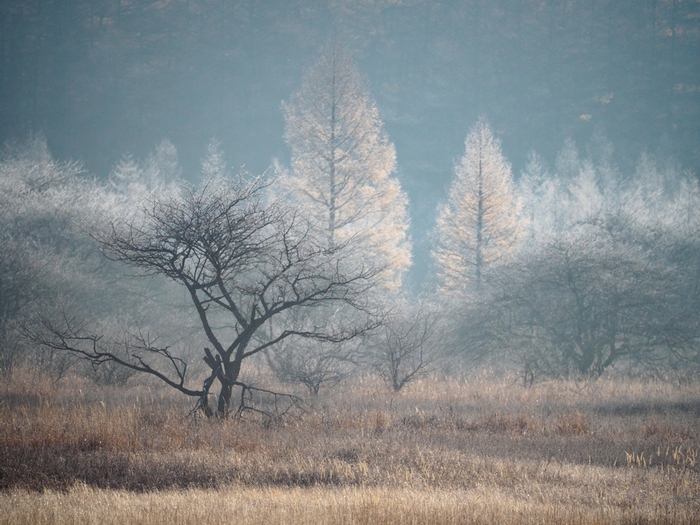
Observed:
{"x":482,"y":450}
{"x":337,"y":506}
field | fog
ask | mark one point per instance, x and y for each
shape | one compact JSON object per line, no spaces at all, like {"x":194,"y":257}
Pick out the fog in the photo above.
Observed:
{"x":100,"y":79}
{"x":369,"y":261}
{"x":195,"y":191}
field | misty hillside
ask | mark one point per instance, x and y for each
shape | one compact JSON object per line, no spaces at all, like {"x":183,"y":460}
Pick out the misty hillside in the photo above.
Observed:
{"x":102,"y":78}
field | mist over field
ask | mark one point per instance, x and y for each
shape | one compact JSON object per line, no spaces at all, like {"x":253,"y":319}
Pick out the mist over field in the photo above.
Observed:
{"x":365,"y":252}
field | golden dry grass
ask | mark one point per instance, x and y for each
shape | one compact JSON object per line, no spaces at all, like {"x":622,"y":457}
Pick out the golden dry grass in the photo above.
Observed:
{"x":450,"y":451}
{"x":329,"y":506}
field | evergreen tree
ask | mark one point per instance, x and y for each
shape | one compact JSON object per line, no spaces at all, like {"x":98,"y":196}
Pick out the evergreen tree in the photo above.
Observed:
{"x":163,"y":166}
{"x":479,"y":224}
{"x":342,"y":164}
{"x":568,"y":163}
{"x":535,"y":190}
{"x":587,"y":201}
{"x":214,"y":163}
{"x":135,"y":180}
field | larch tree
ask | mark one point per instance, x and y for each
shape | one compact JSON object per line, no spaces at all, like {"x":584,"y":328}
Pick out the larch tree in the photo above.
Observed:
{"x":343,"y":162}
{"x":214,"y":163}
{"x":568,"y":162}
{"x":586,"y":201}
{"x":136,"y":179}
{"x":544,"y":200}
{"x":479,"y":224}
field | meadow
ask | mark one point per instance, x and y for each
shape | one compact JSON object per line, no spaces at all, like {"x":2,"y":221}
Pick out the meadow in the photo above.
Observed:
{"x":478,"y":449}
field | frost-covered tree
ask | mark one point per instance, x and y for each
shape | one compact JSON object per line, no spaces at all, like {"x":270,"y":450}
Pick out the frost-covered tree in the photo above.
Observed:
{"x":568,"y":162}
{"x":50,"y":212}
{"x":616,"y":281}
{"x":587,"y":201}
{"x":686,"y":205}
{"x":480,"y":223}
{"x":47,"y":258}
{"x":600,"y":155}
{"x":214,"y":163}
{"x":343,"y":164}
{"x":163,"y":166}
{"x":125,"y":176}
{"x":544,"y":201}
{"x":135,"y":180}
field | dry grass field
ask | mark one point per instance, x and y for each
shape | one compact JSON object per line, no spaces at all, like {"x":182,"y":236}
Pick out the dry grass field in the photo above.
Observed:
{"x":481,"y":450}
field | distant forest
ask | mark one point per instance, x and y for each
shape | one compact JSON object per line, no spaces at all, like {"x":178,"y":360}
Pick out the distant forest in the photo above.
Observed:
{"x":100,"y":78}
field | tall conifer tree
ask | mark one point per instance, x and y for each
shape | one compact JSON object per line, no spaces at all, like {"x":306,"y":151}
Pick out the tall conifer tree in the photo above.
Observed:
{"x":343,"y":164}
{"x":479,"y":223}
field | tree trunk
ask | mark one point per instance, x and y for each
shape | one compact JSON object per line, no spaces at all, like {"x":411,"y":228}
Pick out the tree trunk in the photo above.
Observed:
{"x":227,"y":378}
{"x":226,"y":372}
{"x":224,"y":400}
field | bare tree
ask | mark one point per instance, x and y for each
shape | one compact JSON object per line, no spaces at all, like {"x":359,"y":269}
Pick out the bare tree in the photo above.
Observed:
{"x":607,"y":292}
{"x":313,"y":364}
{"x":406,"y":346}
{"x":247,"y":265}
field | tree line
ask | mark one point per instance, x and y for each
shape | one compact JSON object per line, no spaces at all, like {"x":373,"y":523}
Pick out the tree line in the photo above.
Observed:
{"x":566,"y":271}
{"x":572,"y":270}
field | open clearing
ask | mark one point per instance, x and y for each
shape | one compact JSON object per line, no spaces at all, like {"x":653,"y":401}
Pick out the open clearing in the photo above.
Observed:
{"x":450,"y":451}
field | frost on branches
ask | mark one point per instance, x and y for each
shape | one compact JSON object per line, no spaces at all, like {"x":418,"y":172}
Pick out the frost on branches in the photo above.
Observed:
{"x":342,"y":164}
{"x":479,"y":224}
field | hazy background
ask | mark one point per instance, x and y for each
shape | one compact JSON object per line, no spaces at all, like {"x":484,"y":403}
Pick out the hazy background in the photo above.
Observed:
{"x":101,"y":78}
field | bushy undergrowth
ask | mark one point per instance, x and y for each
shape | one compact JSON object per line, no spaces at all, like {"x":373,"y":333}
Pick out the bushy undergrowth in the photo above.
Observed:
{"x":625,"y":444}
